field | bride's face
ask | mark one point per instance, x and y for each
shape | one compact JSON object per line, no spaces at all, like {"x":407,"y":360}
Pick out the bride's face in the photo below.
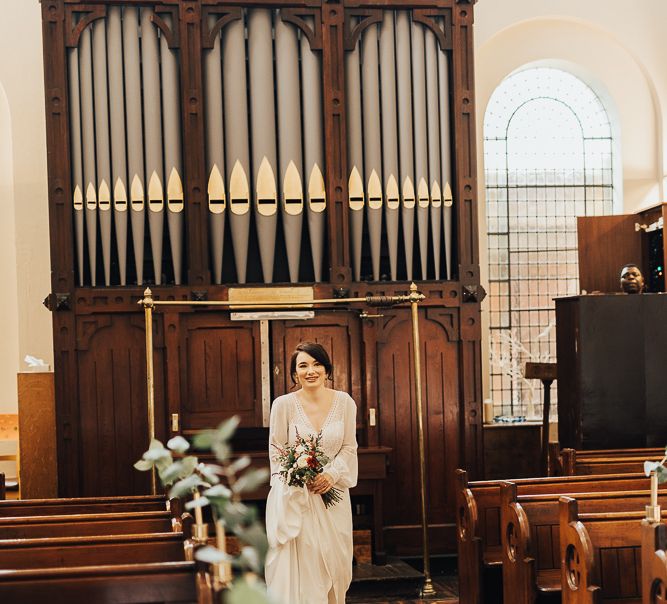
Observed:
{"x":310,"y":373}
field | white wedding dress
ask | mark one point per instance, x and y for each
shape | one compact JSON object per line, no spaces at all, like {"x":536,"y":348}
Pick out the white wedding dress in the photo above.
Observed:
{"x":310,"y":546}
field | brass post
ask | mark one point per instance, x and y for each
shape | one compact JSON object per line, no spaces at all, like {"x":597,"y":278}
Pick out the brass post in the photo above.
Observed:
{"x":147,"y":303}
{"x":415,"y":297}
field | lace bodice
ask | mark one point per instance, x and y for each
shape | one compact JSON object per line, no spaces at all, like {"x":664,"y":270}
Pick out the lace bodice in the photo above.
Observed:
{"x":338,"y":434}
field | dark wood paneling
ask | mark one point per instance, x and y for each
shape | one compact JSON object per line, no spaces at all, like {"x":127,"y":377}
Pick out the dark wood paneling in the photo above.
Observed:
{"x":219,"y":365}
{"x":338,"y":332}
{"x":606,"y":243}
{"x":397,"y":413}
{"x":192,"y":106}
{"x":113,"y":417}
{"x":208,"y":367}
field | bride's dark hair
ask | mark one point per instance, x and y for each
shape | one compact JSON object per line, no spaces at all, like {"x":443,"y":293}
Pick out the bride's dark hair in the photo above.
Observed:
{"x":317,"y":351}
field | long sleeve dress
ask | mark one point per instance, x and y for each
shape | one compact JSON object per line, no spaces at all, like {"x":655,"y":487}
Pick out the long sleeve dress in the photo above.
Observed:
{"x":310,"y":555}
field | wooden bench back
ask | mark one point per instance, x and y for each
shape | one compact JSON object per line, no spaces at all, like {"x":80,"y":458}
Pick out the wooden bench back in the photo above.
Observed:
{"x":478,"y":517}
{"x":80,"y":525}
{"x":86,"y":551}
{"x":654,"y":562}
{"x":152,"y":583}
{"x":605,"y":461}
{"x":600,"y":556}
{"x":531,"y":539}
{"x":83,"y":505}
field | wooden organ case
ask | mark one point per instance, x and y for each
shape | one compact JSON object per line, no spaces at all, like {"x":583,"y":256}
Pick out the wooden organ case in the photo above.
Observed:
{"x":210,"y":149}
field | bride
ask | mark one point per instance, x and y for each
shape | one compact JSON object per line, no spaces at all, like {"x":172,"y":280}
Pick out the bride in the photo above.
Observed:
{"x":310,"y":555}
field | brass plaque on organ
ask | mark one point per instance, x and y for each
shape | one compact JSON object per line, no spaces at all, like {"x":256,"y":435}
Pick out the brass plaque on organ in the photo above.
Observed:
{"x":271,"y":295}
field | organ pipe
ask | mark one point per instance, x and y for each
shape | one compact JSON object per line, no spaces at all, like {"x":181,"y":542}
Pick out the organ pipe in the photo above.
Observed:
{"x":236,"y":152}
{"x":263,"y":120}
{"x":355,"y":156}
{"x":88,"y":146}
{"x":172,"y":152}
{"x":405,"y":135}
{"x":372,"y":142}
{"x":135,"y":141}
{"x":389,"y":137}
{"x":313,"y":152}
{"x":290,"y":152}
{"x":445,"y":158}
{"x":433,"y":126}
{"x":77,"y":166}
{"x":153,"y":137}
{"x":215,"y":153}
{"x":420,"y":142}
{"x":117,"y":127}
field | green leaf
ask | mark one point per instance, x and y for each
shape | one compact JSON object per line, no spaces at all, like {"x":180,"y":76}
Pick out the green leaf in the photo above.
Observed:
{"x":222,"y":450}
{"x":219,"y":491}
{"x":171,"y":473}
{"x":250,"y":559}
{"x":236,"y":514}
{"x":251,"y":480}
{"x":143,"y":465}
{"x":178,"y":444}
{"x":649,"y":466}
{"x":255,"y":536}
{"x":243,"y":592}
{"x":156,"y":454}
{"x":204,"y":439}
{"x":239,"y":464}
{"x":199,"y":502}
{"x":662,"y":474}
{"x":211,"y":555}
{"x":186,"y":486}
{"x":227,"y":428}
{"x":156,"y":444}
{"x":210,"y":472}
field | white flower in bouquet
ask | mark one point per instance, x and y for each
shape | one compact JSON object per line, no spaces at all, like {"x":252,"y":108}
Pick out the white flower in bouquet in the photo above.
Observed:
{"x":302,"y":462}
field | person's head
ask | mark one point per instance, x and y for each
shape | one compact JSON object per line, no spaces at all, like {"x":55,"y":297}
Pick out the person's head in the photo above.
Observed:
{"x":310,"y":364}
{"x":632,"y":280}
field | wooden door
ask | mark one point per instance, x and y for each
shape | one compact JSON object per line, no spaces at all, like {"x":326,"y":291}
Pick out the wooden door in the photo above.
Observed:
{"x":398,"y":424}
{"x":112,"y":413}
{"x":606,"y":243}
{"x":219,"y":367}
{"x":338,"y":332}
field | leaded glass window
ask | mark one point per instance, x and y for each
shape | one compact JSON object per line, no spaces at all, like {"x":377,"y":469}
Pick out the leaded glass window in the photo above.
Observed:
{"x":548,"y":159}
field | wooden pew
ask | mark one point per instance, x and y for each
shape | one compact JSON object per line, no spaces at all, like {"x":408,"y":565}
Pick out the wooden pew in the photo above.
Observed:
{"x":94,"y":550}
{"x":654,"y":562}
{"x":152,"y":583}
{"x":600,"y":556}
{"x":81,"y":525}
{"x":620,"y":461}
{"x":85,"y":505}
{"x":531,"y":540}
{"x":478,"y":521}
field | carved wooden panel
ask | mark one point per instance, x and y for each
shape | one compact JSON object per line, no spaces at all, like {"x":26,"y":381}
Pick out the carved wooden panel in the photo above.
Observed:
{"x":219,"y":365}
{"x":398,"y":416}
{"x":606,"y":243}
{"x":338,"y":332}
{"x":113,"y":417}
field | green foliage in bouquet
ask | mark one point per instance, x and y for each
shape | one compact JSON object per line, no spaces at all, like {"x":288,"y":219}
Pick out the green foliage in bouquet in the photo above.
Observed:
{"x":186,"y":476}
{"x":659,"y":467}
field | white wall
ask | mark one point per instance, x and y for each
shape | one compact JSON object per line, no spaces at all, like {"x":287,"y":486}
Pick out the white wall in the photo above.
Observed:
{"x":619,"y":49}
{"x":24,"y":237}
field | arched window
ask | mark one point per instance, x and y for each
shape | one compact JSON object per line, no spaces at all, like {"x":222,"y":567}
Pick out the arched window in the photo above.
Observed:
{"x":548,"y":159}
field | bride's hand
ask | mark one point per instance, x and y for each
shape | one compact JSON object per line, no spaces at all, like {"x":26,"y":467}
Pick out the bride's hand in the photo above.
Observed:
{"x":320,"y":484}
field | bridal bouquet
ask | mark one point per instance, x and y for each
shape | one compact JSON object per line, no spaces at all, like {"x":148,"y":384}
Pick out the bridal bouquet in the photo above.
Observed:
{"x":303,"y":461}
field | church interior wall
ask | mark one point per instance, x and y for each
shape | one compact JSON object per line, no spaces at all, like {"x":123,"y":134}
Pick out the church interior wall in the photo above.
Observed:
{"x":620,"y":52}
